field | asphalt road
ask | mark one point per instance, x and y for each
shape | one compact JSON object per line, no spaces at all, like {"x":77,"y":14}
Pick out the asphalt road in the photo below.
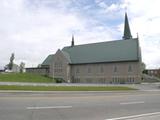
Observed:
{"x":135,"y":105}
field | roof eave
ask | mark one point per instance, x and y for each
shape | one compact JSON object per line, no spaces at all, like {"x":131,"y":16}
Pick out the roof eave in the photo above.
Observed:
{"x":105,"y":62}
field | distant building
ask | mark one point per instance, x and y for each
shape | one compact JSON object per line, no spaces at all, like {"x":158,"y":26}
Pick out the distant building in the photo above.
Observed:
{"x":42,"y":69}
{"x":15,"y":68}
{"x":38,"y":70}
{"x":103,"y":62}
{"x":1,"y":71}
{"x":153,"y":72}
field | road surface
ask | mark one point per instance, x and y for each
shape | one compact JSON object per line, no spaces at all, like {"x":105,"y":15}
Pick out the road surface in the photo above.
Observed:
{"x":135,"y":105}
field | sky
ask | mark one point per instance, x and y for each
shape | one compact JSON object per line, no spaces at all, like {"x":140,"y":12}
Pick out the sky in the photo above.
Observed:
{"x":33,"y":29}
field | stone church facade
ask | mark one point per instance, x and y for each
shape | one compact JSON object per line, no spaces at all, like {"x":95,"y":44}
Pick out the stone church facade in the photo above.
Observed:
{"x":115,"y":62}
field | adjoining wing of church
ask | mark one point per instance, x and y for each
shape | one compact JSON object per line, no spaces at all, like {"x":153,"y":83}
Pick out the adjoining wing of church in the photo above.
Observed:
{"x":102,"y":62}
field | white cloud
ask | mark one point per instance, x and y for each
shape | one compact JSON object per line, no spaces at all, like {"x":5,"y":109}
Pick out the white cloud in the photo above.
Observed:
{"x":146,"y":24}
{"x":113,"y":7}
{"x":33,"y":34}
{"x":102,"y":4}
{"x":144,"y":19}
{"x":32,"y":29}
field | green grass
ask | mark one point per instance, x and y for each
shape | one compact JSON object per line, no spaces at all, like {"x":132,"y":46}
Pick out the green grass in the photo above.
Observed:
{"x":24,"y":77}
{"x":65,"y":88}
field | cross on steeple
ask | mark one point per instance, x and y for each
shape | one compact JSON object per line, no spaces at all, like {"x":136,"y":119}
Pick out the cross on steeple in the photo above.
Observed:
{"x":72,"y":43}
{"x":127,"y":32}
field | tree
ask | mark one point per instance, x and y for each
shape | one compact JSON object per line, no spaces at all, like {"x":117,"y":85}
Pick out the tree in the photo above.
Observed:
{"x":10,"y":65}
{"x":22,"y":66}
{"x":39,"y":65}
{"x":143,"y":66}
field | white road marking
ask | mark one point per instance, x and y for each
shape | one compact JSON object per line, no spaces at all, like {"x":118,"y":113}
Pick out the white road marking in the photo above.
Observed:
{"x":129,"y":103}
{"x":134,"y":116}
{"x":48,"y":107}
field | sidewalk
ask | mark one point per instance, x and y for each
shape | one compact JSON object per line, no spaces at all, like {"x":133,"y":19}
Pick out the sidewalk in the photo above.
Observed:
{"x":143,"y":86}
{"x":60,"y":84}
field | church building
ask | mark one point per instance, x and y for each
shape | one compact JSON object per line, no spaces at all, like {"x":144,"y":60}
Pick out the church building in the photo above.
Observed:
{"x":116,"y":62}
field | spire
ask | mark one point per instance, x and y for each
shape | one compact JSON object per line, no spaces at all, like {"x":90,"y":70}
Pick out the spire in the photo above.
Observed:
{"x":72,"y":44}
{"x":127,"y":32}
{"x":137,"y":35}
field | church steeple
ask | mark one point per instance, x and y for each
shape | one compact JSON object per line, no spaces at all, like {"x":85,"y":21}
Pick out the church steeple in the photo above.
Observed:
{"x":127,"y":32}
{"x":72,"y":43}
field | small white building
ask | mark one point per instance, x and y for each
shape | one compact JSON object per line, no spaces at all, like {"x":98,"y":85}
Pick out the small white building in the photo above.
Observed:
{"x":15,"y":69}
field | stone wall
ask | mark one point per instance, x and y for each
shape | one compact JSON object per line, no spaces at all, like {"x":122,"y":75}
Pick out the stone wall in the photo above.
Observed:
{"x":60,"y":68}
{"x":117,"y":73}
{"x":41,"y":71}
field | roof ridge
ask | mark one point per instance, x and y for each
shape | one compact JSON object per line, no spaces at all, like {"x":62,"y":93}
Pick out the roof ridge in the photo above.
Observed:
{"x":99,"y":42}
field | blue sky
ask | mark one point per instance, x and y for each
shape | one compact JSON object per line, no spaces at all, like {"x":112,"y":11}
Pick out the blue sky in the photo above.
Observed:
{"x":33,"y":29}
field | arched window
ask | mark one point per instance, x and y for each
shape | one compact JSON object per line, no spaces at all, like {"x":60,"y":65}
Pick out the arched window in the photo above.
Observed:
{"x":77,"y":70}
{"x":89,"y":70}
{"x":101,"y":69}
{"x":115,"y":69}
{"x":129,"y":68}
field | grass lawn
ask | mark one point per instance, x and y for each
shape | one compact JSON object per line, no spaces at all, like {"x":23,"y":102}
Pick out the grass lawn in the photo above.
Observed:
{"x":65,"y":88}
{"x":24,"y":77}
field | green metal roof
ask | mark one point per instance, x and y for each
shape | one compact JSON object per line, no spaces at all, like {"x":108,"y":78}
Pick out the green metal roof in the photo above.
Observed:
{"x":112,"y":51}
{"x":48,"y":60}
